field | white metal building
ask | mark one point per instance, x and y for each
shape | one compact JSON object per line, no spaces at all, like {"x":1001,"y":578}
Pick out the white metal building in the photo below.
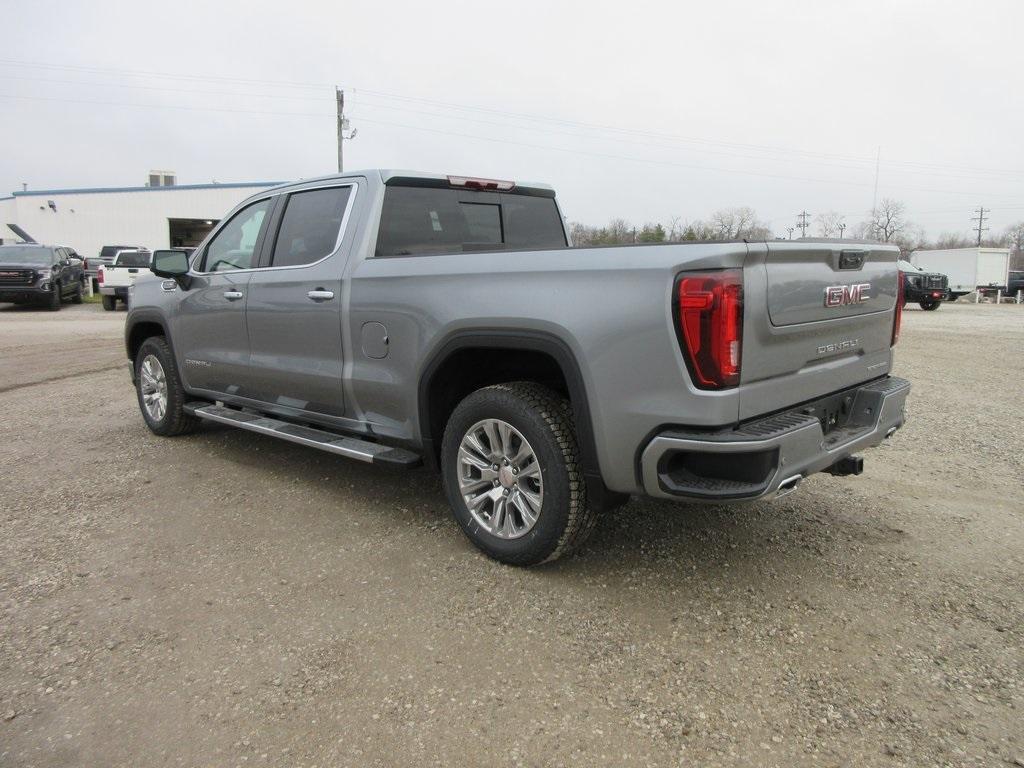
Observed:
{"x":88,"y":219}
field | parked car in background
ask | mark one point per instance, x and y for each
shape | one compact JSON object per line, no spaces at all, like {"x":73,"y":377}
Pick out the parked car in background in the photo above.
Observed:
{"x":106,"y":256}
{"x":929,"y":289}
{"x":1014,"y":282}
{"x":40,"y":274}
{"x":396,"y":318}
{"x":115,"y":279}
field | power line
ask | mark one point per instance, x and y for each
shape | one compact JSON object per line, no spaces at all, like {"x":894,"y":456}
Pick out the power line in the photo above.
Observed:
{"x":909,"y":165}
{"x":980,"y":218}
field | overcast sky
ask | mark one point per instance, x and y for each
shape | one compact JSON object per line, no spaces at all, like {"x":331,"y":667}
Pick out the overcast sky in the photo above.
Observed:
{"x":635,"y":109}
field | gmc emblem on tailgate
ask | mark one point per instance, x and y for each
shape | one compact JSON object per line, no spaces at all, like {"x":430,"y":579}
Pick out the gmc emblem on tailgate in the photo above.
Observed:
{"x":842,"y":295}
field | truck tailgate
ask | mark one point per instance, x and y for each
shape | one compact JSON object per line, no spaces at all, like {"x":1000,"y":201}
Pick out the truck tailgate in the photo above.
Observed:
{"x":818,"y":318}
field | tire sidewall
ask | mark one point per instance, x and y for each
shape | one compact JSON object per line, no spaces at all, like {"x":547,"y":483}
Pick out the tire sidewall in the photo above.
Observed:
{"x":162,"y":353}
{"x":543,"y":538}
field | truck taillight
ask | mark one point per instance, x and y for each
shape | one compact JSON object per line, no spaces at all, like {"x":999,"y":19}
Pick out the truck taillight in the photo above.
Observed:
{"x":99,"y":276}
{"x":709,"y":312}
{"x":898,"y":318}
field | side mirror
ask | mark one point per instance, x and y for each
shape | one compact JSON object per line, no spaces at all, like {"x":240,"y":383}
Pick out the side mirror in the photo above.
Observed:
{"x":172,"y":264}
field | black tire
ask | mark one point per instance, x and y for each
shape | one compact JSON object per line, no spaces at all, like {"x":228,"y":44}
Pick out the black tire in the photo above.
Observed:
{"x":109,"y":303}
{"x":545,"y":420}
{"x":930,"y":306}
{"x":76,"y":297}
{"x":174,"y":420}
{"x":53,"y":303}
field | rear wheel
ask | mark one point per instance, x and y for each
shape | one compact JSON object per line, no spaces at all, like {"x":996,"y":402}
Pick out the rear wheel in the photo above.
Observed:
{"x":159,"y":390}
{"x":512,"y":473}
{"x":109,"y":303}
{"x":930,"y":306}
{"x":76,"y":297}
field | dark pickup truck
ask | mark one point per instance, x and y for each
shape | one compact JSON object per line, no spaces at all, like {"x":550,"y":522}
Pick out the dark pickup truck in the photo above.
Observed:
{"x":1014,"y":282}
{"x":928,"y":289}
{"x":40,"y":274}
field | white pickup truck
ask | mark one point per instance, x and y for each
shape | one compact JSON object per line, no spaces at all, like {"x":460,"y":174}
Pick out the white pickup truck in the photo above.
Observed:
{"x":116,"y":278}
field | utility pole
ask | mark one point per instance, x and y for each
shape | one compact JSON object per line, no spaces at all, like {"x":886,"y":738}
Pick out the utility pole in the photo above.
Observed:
{"x":339,"y":97}
{"x":980,"y":218}
{"x":874,"y":199}
{"x":344,"y":134}
{"x":790,"y":231}
{"x":842,"y":227}
{"x":803,"y":222}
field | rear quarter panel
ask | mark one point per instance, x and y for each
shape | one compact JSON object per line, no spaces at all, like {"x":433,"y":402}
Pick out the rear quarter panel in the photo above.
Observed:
{"x":611,"y":307}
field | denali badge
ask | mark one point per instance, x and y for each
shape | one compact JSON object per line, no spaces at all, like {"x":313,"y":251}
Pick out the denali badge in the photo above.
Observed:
{"x":838,"y":346}
{"x":841,"y":295}
{"x":198,"y":363}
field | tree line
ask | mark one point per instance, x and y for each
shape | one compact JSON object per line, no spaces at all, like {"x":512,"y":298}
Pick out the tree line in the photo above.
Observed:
{"x":887,"y":223}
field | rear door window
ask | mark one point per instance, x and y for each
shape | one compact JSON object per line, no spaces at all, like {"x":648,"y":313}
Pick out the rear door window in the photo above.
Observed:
{"x":310,"y":226}
{"x":426,"y":220}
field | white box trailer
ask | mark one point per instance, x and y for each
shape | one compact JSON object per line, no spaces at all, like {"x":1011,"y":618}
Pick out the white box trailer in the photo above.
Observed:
{"x":968,"y":269}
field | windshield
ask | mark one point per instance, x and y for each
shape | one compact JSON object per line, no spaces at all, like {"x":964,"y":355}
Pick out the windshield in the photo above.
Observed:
{"x":25,"y":254}
{"x":906,"y":266}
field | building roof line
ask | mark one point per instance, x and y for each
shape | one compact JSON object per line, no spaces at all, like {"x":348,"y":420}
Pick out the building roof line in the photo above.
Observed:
{"x":176,"y":187}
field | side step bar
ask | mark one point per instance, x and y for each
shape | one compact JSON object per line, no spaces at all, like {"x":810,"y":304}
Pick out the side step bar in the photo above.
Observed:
{"x":332,"y":442}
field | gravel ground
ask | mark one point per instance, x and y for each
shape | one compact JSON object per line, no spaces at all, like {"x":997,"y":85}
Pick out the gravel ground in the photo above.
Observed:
{"x":227,"y":599}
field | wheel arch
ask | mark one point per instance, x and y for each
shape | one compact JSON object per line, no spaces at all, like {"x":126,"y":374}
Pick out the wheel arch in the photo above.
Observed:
{"x":543,"y":349}
{"x":141,"y":326}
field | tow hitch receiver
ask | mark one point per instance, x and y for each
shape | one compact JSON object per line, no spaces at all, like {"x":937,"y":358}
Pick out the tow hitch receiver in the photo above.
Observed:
{"x":851,"y":465}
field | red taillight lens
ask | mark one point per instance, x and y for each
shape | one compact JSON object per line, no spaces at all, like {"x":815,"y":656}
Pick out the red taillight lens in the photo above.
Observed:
{"x":710,"y":309}
{"x":898,"y":319}
{"x":99,"y":277}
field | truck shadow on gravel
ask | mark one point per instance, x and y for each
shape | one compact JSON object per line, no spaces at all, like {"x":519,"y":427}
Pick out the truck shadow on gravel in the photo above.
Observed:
{"x":810,"y":527}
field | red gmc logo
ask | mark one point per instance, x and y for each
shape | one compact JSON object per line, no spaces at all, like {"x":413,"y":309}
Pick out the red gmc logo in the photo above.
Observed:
{"x":842,"y":295}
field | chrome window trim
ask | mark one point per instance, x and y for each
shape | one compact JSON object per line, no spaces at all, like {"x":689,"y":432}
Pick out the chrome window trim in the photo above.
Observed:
{"x":337,"y":243}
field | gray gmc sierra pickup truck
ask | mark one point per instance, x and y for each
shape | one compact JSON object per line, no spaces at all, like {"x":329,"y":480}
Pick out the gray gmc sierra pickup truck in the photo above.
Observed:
{"x":405,"y":318}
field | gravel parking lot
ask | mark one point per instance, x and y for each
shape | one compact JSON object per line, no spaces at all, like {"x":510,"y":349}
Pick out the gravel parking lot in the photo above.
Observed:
{"x":227,"y":599}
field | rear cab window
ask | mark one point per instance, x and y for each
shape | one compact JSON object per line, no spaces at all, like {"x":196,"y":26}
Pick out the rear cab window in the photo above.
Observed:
{"x":424,"y":216}
{"x":133,"y":259}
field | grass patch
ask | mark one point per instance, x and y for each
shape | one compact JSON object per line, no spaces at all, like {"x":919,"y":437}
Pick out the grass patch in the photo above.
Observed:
{"x":96,"y":298}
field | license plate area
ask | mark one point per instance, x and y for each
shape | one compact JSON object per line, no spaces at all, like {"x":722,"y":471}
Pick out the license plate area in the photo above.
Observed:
{"x":832,"y":412}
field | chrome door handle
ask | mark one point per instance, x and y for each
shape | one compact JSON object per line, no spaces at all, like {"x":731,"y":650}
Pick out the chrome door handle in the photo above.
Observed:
{"x":320,"y":295}
{"x":233,"y":295}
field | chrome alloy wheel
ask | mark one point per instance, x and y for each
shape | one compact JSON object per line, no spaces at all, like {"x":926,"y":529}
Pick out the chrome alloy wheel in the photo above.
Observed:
{"x":500,"y":479}
{"x":153,"y":385}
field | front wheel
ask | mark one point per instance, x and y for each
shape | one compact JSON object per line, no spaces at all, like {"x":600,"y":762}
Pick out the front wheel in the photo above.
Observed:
{"x":512,"y":474}
{"x":159,"y":390}
{"x":53,"y":303}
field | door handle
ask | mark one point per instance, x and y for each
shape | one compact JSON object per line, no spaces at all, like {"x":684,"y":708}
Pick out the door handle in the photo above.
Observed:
{"x":232,"y":295}
{"x":320,"y":295}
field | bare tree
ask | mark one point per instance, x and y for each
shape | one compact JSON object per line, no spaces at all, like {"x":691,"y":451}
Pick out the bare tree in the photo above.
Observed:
{"x":1015,"y":236}
{"x":1015,"y":240}
{"x":888,"y":219}
{"x":735,"y":224}
{"x":828,"y":223}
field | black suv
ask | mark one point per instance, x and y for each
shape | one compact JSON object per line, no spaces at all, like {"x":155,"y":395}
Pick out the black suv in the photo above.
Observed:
{"x":40,"y":274}
{"x":929,"y":289}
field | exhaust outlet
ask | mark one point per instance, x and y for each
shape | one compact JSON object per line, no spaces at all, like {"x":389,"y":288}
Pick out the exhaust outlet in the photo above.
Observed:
{"x":789,"y":484}
{"x":850,"y":465}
